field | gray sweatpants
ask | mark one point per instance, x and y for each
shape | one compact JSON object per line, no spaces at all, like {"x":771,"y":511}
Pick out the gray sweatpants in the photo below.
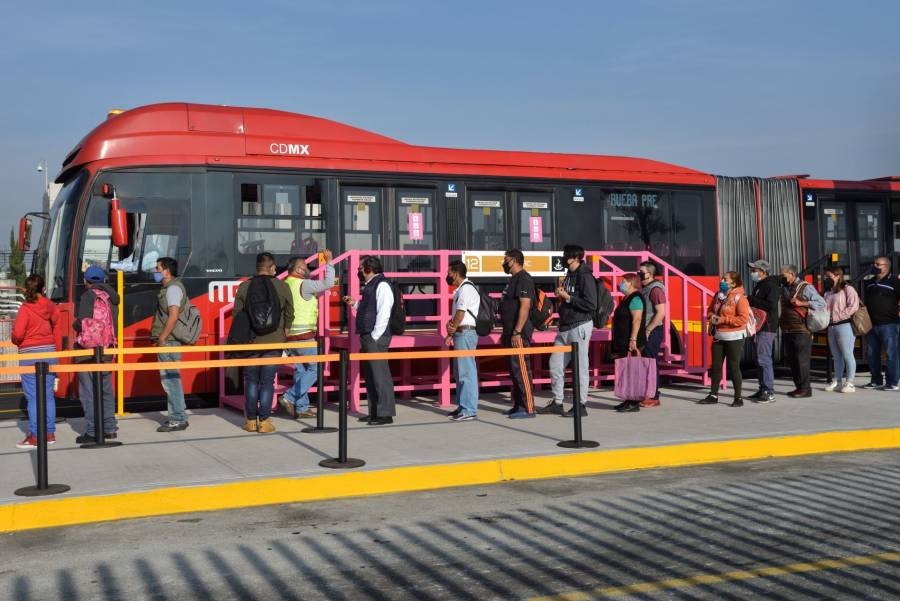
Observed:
{"x":558,"y":361}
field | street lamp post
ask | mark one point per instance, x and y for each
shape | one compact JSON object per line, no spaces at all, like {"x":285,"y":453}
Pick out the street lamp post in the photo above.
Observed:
{"x":42,"y":168}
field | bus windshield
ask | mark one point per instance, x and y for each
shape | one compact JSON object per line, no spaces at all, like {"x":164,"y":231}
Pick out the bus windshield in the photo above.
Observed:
{"x":50,"y":259}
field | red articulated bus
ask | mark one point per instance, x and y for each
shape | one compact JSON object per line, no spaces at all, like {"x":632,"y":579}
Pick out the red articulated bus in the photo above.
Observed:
{"x":212,"y":186}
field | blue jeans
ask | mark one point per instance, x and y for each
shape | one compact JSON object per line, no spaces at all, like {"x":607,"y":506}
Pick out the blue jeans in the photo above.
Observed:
{"x":466,"y":372}
{"x":171,"y":383}
{"x":305,"y":375}
{"x":259,"y":388}
{"x":29,"y":386}
{"x":651,"y":350}
{"x":765,"y":345}
{"x":840,"y":342}
{"x":884,"y":336}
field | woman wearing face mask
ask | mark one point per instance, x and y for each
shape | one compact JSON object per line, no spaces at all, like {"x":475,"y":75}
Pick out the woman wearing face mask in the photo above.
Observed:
{"x":842,"y":302}
{"x":629,"y":333}
{"x":728,"y":315}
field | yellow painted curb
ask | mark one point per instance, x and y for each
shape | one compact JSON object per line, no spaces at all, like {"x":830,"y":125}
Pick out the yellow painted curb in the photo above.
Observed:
{"x":165,"y":501}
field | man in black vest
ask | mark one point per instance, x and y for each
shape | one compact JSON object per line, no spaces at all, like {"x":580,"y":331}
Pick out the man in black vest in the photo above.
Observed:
{"x":373,"y":314}
{"x":882,"y":293}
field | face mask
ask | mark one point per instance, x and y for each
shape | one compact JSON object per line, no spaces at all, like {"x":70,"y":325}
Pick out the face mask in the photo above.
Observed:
{"x":505,"y":267}
{"x":450,"y":280}
{"x":723,"y":287}
{"x":754,"y":276}
{"x":828,"y":283}
{"x":783,"y":281}
{"x":157,"y":276}
{"x":622,"y":288}
{"x":361,"y":276}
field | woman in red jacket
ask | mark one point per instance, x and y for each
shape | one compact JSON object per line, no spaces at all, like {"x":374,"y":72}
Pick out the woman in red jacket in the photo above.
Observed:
{"x":33,"y":333}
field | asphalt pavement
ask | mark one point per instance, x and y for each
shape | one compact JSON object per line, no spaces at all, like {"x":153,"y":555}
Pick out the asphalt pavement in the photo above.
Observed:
{"x":818,"y":527}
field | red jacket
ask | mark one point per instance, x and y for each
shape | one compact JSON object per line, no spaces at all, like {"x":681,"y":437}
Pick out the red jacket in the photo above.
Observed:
{"x":35,"y":324}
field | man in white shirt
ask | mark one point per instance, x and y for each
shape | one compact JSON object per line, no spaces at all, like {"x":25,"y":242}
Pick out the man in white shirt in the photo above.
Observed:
{"x":461,"y":335}
{"x":373,"y":314}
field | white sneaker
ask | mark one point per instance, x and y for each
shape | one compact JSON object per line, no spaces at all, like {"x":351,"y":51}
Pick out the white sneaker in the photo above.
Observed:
{"x":831,"y":386}
{"x":848,"y":387}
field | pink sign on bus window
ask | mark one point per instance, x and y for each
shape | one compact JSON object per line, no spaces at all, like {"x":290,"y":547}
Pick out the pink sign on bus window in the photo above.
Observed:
{"x":536,"y":228}
{"x":415,"y":226}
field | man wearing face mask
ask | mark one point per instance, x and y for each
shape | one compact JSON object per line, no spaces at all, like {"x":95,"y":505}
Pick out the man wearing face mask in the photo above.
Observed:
{"x":462,"y":336}
{"x":765,"y":297}
{"x":654,"y":294}
{"x":577,"y":304}
{"x":171,"y":301}
{"x":373,"y":314}
{"x":797,"y":298}
{"x":515,"y":307}
{"x":882,"y":294}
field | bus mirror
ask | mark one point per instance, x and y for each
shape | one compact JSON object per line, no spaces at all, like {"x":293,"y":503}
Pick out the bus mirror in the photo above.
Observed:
{"x":24,"y":234}
{"x":119,"y":222}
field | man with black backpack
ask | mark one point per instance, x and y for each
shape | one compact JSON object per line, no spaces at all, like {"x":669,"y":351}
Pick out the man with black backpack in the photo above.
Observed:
{"x":462,"y":335}
{"x":515,"y":314}
{"x":577,"y":304}
{"x":270,"y":310}
{"x":374,"y":313}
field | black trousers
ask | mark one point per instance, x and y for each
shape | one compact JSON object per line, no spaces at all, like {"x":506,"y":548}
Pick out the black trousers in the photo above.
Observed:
{"x":732,"y":350}
{"x":520,"y":371}
{"x":379,"y":381}
{"x":798,"y":348}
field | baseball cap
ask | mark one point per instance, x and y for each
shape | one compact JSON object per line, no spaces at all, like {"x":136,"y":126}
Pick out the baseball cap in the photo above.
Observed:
{"x":94,"y":274}
{"x":762,"y":265}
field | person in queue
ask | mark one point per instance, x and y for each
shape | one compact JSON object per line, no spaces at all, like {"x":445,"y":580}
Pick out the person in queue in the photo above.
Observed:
{"x":270,"y":294}
{"x":32,"y":332}
{"x":373,"y":314}
{"x":99,"y":301}
{"x":171,"y":301}
{"x":654,"y":293}
{"x":461,"y":335}
{"x":797,"y":298}
{"x":728,"y":315}
{"x":629,"y":327}
{"x":882,"y":295}
{"x":842,"y":302}
{"x":515,"y":309}
{"x":577,"y":303}
{"x":305,"y":295}
{"x":765,"y":297}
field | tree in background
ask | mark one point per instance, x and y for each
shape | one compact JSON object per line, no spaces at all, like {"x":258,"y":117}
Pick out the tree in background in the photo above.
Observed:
{"x":16,"y":260}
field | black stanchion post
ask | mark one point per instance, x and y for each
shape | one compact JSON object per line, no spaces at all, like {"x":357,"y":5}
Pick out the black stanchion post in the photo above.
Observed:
{"x":320,"y":398}
{"x":41,"y":369}
{"x":342,"y":461}
{"x":579,"y":442}
{"x":100,"y":441}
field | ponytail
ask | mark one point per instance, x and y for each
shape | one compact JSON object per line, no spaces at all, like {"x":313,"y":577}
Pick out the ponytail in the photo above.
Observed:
{"x":34,"y":287}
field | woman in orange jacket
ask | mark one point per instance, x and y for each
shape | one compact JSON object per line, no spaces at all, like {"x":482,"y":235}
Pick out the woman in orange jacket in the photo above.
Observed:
{"x":728,"y":316}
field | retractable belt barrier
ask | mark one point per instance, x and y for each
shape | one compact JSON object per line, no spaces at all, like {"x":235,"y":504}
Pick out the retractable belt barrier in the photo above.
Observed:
{"x":342,"y":461}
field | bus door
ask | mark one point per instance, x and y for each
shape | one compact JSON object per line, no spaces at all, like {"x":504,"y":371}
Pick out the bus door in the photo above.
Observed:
{"x":413,"y":231}
{"x":895,"y":231}
{"x":854,"y":230}
{"x":535,"y":221}
{"x":362,"y":209}
{"x":487,"y":220}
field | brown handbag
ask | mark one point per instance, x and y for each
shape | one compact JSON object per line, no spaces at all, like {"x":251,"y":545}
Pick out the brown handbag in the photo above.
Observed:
{"x":861,"y":322}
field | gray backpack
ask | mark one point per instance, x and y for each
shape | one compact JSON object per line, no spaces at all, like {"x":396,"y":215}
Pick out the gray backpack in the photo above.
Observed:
{"x":187,"y":328}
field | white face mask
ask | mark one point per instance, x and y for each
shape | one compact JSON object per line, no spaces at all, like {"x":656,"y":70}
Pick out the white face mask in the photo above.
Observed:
{"x":754,"y":276}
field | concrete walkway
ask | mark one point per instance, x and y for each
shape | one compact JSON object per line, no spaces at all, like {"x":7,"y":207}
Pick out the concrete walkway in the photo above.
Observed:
{"x":215,"y":450}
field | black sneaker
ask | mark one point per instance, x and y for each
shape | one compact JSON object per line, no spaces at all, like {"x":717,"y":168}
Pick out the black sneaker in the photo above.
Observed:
{"x":173,"y":427}
{"x":630,"y":407}
{"x":756,"y":396}
{"x":571,"y":412}
{"x":737,"y":402}
{"x":710,"y":399}
{"x":85,"y":439}
{"x":621,"y":405}
{"x":365,"y":419}
{"x":455,"y":412}
{"x":381,"y":421}
{"x":768,"y":397}
{"x":551,"y":408}
{"x":871,"y":385}
{"x":511,"y":410}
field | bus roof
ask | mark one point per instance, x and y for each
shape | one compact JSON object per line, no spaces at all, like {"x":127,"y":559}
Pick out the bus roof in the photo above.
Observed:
{"x":181,"y":133}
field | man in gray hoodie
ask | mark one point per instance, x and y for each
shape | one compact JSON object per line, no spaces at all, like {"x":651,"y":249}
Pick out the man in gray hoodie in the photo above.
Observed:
{"x":96,"y":288}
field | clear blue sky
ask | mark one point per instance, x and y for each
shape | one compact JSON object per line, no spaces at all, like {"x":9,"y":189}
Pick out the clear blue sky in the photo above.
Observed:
{"x":733,"y":88}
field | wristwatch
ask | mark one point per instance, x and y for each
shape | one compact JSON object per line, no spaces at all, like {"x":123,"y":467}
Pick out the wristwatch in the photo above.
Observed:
{"x":516,"y":333}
